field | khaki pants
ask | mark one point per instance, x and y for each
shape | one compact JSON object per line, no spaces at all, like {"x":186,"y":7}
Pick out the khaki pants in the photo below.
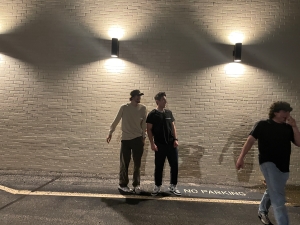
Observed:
{"x":135,"y":145}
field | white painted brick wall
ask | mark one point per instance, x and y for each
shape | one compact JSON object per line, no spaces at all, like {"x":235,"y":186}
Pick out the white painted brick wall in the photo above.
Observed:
{"x":58,"y":98}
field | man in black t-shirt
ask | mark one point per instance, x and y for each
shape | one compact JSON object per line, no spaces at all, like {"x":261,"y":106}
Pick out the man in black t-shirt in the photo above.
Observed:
{"x":274,"y":144}
{"x":163,"y":138}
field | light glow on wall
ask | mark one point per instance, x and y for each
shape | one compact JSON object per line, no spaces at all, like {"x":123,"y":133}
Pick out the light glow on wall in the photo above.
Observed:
{"x":234,"y":69}
{"x":236,"y":37}
{"x":114,"y":65}
{"x":229,"y":17}
{"x":116,"y":32}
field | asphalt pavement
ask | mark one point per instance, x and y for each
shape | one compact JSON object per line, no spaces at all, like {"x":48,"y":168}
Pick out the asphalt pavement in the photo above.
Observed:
{"x":56,"y":199}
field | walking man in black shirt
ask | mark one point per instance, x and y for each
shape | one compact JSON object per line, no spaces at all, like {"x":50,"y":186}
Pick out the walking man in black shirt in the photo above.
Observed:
{"x":274,"y":144}
{"x":163,"y":138}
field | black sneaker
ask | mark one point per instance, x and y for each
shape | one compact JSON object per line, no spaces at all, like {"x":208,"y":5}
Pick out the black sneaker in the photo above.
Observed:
{"x":264,"y":218}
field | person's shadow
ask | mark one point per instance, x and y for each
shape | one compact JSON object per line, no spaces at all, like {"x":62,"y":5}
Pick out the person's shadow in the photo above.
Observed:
{"x":237,"y":139}
{"x":190,"y":156}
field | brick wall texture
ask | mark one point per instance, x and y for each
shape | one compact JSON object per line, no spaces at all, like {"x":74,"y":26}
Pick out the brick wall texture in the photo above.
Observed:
{"x":60,"y":90}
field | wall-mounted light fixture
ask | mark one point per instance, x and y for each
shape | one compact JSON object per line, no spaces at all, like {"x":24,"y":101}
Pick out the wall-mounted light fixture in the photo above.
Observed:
{"x":237,"y":52}
{"x":115,"y":47}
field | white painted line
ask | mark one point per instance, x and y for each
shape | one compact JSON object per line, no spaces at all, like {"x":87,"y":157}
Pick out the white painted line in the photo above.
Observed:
{"x":93,"y":195}
{"x":14,"y":191}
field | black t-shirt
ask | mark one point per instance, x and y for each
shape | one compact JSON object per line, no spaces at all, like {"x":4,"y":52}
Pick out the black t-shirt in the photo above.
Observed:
{"x":274,"y":142}
{"x":161,"y":126}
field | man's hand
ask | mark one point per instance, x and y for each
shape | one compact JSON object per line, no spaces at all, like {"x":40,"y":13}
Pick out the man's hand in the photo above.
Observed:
{"x":239,"y":164}
{"x":108,"y":138}
{"x":154,"y":147}
{"x":175,"y":143}
{"x":221,"y":158}
{"x":291,"y":121}
{"x":144,"y":140}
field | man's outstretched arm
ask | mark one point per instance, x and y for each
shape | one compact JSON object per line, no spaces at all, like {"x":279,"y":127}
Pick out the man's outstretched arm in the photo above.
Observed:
{"x":247,"y":146}
{"x":114,"y":124}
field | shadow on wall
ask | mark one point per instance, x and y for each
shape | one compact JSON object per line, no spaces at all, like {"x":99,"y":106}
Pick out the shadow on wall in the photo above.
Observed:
{"x":280,"y":52}
{"x":53,"y":41}
{"x":274,"y":56}
{"x":175,"y":47}
{"x":236,"y":140}
{"x":190,"y":156}
{"x":178,"y":45}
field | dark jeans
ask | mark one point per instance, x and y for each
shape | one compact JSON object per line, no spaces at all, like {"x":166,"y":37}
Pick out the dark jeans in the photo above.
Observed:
{"x":171,"y":153}
{"x":135,"y":145}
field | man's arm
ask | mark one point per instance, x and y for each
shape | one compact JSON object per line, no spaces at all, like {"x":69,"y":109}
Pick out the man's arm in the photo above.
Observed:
{"x":296,"y":136}
{"x":292,"y":122}
{"x":150,"y":136}
{"x":174,"y":135}
{"x":143,"y":124}
{"x":114,"y":124}
{"x":247,"y":146}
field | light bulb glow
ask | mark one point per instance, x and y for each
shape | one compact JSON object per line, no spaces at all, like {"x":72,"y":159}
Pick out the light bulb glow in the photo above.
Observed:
{"x":114,"y":65}
{"x":116,"y":32}
{"x":236,"y":37}
{"x":234,"y":69}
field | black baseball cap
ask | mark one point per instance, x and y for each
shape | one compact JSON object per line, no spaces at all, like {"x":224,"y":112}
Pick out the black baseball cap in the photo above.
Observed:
{"x":136,"y":93}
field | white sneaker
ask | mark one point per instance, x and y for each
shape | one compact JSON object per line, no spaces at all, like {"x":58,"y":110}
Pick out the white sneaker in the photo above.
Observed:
{"x":174,"y":190}
{"x":264,"y":218}
{"x":125,"y":189}
{"x":156,"y":190}
{"x":137,"y":190}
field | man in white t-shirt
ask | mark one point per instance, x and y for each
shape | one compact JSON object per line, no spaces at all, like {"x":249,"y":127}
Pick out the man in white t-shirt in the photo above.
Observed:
{"x":133,"y":117}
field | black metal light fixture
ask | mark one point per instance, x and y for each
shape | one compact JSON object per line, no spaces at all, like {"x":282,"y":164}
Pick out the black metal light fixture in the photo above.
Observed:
{"x":237,"y":52}
{"x":115,"y":47}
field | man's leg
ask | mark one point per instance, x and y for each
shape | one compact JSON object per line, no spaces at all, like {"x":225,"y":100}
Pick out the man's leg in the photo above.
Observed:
{"x":172,"y":155}
{"x":125,"y":156}
{"x":276,"y":181}
{"x":263,"y":209}
{"x":265,"y":203}
{"x":160,"y":158}
{"x":137,"y":146}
